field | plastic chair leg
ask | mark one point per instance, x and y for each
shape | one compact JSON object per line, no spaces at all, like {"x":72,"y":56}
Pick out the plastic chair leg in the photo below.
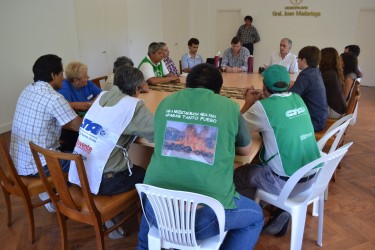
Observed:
{"x":326,"y":194}
{"x":154,"y":242}
{"x":315,"y":210}
{"x":298,"y":227}
{"x":320,"y":222}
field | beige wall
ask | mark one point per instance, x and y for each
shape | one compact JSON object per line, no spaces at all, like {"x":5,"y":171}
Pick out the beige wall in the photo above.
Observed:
{"x":32,"y":28}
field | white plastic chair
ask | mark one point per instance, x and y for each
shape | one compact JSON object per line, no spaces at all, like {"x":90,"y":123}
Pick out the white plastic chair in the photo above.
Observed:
{"x":175,"y":216}
{"x":296,"y":204}
{"x":336,"y":132}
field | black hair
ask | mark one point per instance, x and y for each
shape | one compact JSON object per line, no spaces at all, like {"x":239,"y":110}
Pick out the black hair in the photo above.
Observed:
{"x":248,"y":18}
{"x":235,"y":40}
{"x":193,"y":41}
{"x":354,"y":49}
{"x":205,"y":75}
{"x":128,"y":79}
{"x":46,"y":65}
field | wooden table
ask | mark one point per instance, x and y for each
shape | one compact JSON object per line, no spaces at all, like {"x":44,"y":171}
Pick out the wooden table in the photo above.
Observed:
{"x":153,"y":98}
{"x":243,"y":80}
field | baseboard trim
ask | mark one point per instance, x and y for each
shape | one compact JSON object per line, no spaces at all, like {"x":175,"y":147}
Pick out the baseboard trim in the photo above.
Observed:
{"x":5,"y":127}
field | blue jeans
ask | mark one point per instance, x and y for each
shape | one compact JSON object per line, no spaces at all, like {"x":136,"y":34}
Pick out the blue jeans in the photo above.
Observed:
{"x":65,"y":165}
{"x":243,"y":224}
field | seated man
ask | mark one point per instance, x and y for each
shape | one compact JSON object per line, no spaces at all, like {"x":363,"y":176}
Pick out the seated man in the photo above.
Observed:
{"x":153,"y":67}
{"x":168,"y":61}
{"x":80,"y":92}
{"x":310,"y":86}
{"x":104,"y":138}
{"x":207,"y":166}
{"x":40,"y":114}
{"x":284,"y":57}
{"x":192,"y":58}
{"x":235,"y":58}
{"x":120,"y":61}
{"x":288,"y":141}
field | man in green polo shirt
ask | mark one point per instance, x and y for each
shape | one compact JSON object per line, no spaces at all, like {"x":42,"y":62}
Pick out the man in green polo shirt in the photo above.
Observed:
{"x":288,"y":141}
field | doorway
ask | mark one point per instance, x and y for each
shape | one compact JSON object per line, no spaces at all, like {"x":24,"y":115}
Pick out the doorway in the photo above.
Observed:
{"x":227,"y":25}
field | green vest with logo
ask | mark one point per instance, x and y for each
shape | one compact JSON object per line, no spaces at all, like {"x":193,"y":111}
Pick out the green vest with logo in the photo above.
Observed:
{"x":293,"y":132}
{"x":158,"y":69}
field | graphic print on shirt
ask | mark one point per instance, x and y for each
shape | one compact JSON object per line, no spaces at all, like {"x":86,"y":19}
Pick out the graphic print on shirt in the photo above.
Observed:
{"x":190,"y":141}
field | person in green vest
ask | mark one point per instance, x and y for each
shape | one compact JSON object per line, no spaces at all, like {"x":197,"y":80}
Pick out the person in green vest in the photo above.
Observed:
{"x":197,"y":135}
{"x":154,"y":69}
{"x":289,"y":142}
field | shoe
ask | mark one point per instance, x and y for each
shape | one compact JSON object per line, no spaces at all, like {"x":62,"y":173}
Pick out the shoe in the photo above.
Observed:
{"x":278,"y":224}
{"x":284,"y":230}
{"x":49,"y":206}
{"x":43,"y":196}
{"x":118,"y":233}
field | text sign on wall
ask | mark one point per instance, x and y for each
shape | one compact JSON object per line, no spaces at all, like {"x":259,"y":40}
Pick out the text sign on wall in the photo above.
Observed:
{"x":296,"y":10}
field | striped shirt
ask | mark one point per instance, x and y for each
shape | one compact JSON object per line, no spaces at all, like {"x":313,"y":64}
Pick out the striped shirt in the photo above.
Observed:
{"x":40,"y":114}
{"x":170,"y":66}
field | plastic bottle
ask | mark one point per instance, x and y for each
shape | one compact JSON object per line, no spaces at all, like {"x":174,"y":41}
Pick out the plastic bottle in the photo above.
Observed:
{"x":217,"y":60}
{"x":250,"y":64}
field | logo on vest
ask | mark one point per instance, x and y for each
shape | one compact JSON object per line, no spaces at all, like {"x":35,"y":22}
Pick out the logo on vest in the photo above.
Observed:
{"x":92,"y":127}
{"x":295,"y":112}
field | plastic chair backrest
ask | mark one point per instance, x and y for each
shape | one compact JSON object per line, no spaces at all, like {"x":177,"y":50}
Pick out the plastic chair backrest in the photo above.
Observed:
{"x":328,"y":165}
{"x":175,"y":214}
{"x":337,"y":130}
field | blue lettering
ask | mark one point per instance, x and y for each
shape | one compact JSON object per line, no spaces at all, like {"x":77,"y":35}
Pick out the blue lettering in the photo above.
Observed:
{"x":90,"y":126}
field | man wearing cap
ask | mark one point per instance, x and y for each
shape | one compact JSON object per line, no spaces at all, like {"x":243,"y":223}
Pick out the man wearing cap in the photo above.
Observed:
{"x":288,"y":142}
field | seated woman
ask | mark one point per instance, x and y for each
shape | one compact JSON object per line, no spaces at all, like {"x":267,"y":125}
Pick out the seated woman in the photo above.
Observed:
{"x":80,"y":93}
{"x":349,"y":64}
{"x":333,"y":79}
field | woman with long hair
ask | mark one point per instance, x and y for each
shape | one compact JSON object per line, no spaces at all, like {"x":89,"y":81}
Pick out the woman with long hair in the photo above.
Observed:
{"x":349,"y":64}
{"x":333,"y":79}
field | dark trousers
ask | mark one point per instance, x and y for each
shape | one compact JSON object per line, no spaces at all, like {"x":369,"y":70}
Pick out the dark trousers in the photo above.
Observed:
{"x":120,"y":182}
{"x":250,"y":47}
{"x":68,"y":140}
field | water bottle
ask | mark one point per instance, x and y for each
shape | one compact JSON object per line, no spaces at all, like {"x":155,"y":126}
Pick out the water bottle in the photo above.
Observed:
{"x":217,"y":60}
{"x":250,"y":64}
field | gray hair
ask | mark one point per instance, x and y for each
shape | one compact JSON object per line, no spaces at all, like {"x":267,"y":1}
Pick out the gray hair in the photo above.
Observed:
{"x":122,"y":61}
{"x":289,"y":42}
{"x":128,"y":79}
{"x":154,"y":47}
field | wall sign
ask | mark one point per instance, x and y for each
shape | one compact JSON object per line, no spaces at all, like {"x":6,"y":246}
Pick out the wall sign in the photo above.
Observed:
{"x":296,"y":9}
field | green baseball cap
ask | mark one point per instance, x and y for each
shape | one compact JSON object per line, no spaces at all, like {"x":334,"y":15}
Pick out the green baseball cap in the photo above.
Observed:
{"x":274,"y":77}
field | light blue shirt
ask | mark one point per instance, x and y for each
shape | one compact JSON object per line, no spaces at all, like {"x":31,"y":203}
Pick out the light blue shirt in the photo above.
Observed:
{"x":189,"y":62}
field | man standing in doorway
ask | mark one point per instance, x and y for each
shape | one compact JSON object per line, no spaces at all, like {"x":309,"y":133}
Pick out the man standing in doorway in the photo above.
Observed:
{"x":248,"y":34}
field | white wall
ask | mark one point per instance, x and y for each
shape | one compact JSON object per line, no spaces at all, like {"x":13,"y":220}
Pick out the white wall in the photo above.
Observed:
{"x":336,"y":27}
{"x":30,"y":29}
